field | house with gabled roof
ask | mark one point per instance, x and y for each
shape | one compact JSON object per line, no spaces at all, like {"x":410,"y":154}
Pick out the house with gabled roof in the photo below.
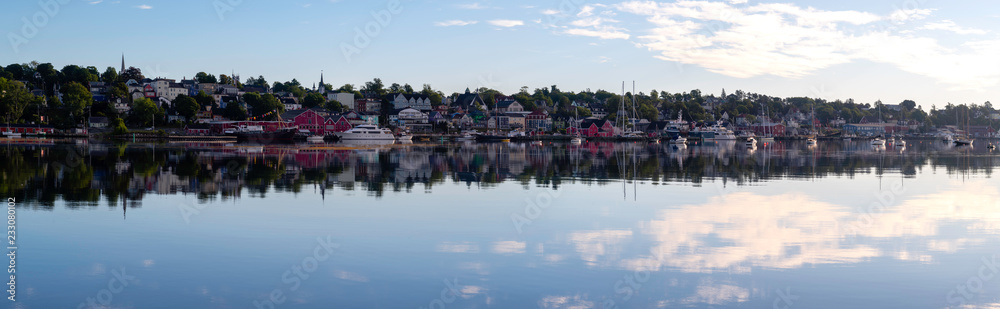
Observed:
{"x":468,"y":100}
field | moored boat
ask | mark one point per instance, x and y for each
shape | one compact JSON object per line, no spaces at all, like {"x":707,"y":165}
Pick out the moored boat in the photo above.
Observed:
{"x":366,"y":132}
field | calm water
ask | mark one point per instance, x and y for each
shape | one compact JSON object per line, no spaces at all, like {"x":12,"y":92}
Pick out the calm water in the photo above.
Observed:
{"x":603,"y":225}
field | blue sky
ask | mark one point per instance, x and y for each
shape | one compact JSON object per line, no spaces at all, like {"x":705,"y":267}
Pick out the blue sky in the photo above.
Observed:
{"x":931,"y":51}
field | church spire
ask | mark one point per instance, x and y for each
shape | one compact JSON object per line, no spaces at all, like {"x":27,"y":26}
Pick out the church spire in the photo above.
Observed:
{"x":322,"y":87}
{"x":123,"y":65}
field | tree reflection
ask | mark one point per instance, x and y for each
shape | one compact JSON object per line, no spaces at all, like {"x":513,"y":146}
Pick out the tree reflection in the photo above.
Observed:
{"x":84,"y":174}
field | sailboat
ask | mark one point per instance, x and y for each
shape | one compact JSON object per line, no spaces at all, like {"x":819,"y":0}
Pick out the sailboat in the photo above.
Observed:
{"x":577,"y":139}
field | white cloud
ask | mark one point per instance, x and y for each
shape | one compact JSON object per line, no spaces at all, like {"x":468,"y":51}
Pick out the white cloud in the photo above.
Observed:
{"x":948,"y":25}
{"x":789,"y":231}
{"x":602,"y":34}
{"x":789,"y":41}
{"x":902,"y":15}
{"x":456,"y":22}
{"x":566,"y":302}
{"x":508,"y":247}
{"x":507,"y":23}
{"x":459,"y":247}
{"x":95,"y":1}
{"x":473,"y":6}
{"x":550,"y":12}
{"x":144,"y":7}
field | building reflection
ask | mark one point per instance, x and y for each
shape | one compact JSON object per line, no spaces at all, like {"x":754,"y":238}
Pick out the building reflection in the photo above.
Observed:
{"x":85,"y":174}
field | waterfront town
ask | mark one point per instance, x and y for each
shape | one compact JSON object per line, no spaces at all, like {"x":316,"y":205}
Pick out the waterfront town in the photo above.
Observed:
{"x":38,"y":99}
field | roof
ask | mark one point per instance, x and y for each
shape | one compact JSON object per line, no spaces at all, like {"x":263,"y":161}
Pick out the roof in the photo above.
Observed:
{"x":597,"y":122}
{"x":505,"y":103}
{"x":293,"y":113}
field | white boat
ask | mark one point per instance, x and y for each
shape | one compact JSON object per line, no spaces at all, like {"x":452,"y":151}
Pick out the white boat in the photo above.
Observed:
{"x":878,"y":141}
{"x":679,"y":140}
{"x":811,"y":141}
{"x":721,"y":133}
{"x":467,"y":136}
{"x":576,"y":140}
{"x":751,"y":141}
{"x":314,"y":139}
{"x":404,"y":136}
{"x":11,"y":134}
{"x":366,"y":132}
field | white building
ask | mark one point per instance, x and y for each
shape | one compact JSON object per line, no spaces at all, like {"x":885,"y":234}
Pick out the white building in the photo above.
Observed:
{"x":420,"y":102}
{"x":345,"y":98}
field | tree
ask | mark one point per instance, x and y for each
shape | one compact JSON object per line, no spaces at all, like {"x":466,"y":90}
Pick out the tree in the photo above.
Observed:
{"x":225,"y":79}
{"x":436,"y":97}
{"x":313,"y":100}
{"x":145,"y":111}
{"x":76,"y":98}
{"x":375,"y":87}
{"x":259,"y":81}
{"x":132,"y":73}
{"x":334,"y":106}
{"x":14,"y":98}
{"x":186,"y":106}
{"x":264,"y":107}
{"x":204,"y":99}
{"x":234,"y":111}
{"x":205,"y":78}
{"x":110,"y":75}
{"x":908,"y":104}
{"x":407,"y":89}
{"x":74,"y":73}
{"x":119,"y":126}
{"x":346,"y":88}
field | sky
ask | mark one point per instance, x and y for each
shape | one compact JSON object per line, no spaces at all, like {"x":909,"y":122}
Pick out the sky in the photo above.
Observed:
{"x":933,"y":52}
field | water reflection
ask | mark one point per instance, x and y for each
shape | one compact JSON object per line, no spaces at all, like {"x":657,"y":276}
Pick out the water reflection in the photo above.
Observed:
{"x":91,"y":172}
{"x":701,"y":225}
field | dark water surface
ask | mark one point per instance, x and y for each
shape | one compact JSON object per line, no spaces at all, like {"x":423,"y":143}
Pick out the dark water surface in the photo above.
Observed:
{"x":602,"y":225}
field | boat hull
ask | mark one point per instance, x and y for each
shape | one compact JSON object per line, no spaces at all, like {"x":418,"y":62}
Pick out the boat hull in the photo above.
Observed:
{"x":365,"y":136}
{"x":280,"y":136}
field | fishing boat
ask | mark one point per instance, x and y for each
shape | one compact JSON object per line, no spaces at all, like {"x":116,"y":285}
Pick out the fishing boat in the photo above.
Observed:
{"x":252,"y":134}
{"x":751,"y":141}
{"x":366,"y":132}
